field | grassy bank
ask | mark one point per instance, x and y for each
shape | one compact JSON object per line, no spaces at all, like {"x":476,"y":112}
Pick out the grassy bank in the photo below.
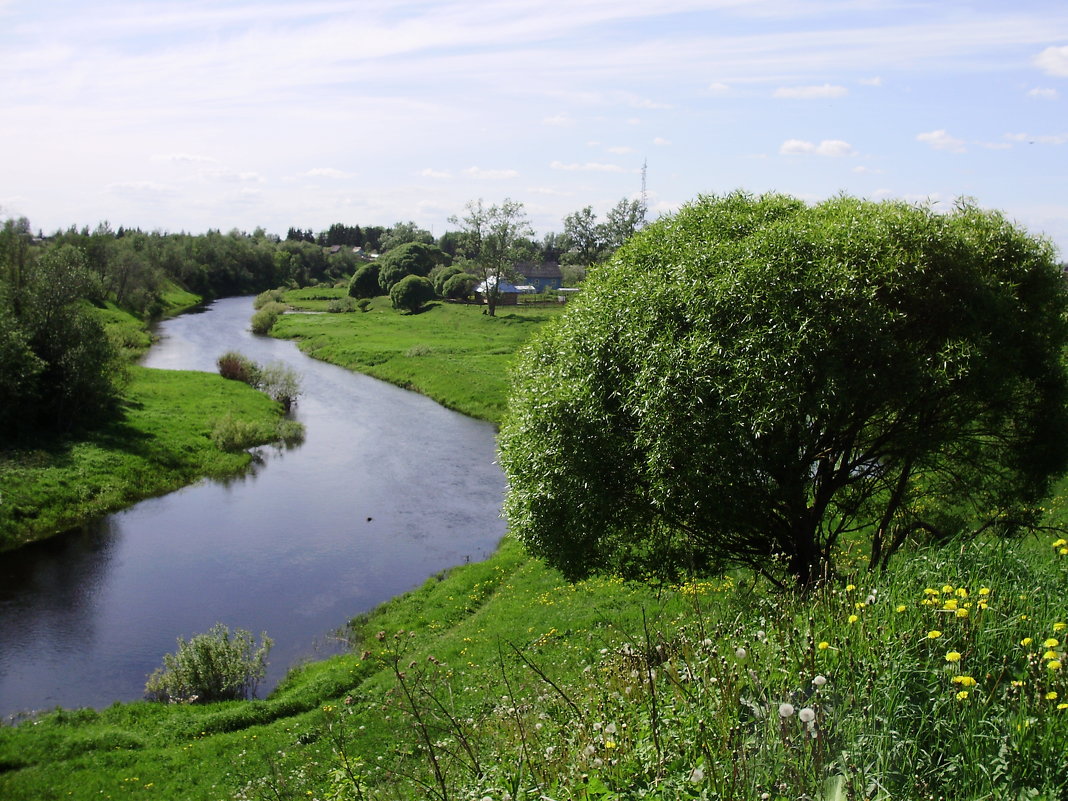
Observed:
{"x":162,"y":441}
{"x":500,"y":680}
{"x":452,"y":353}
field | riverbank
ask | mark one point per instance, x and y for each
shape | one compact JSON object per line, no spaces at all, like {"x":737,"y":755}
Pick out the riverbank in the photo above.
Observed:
{"x":452,"y":353}
{"x":161,"y":441}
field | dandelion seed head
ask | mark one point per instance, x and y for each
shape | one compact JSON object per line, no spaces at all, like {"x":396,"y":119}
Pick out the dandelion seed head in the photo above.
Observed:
{"x":786,"y":710}
{"x":807,"y":715}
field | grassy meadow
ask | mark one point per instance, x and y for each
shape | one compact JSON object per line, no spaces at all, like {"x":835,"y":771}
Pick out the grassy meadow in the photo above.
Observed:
{"x":450,"y":352}
{"x":941,"y":678}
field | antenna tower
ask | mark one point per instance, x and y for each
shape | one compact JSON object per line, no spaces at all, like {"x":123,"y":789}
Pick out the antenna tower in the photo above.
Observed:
{"x":645,"y":196}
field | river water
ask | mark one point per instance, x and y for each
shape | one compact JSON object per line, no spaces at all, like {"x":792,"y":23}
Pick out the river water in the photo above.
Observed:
{"x":387,"y":488}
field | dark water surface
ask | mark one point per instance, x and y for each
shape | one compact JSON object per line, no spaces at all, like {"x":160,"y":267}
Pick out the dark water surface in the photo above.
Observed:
{"x":387,"y":489}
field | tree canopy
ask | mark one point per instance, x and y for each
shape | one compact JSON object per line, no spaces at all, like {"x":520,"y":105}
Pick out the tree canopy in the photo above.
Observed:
{"x":756,"y":381}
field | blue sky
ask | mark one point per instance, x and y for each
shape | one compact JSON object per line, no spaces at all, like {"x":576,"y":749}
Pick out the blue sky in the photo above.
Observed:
{"x":197,"y":115}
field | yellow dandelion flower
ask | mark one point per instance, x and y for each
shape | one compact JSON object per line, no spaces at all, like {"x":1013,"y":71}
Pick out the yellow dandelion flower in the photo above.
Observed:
{"x":984,"y":590}
{"x":824,"y":645}
{"x":1051,"y":695}
{"x":1060,"y":626}
{"x":953,"y":656}
{"x":1026,"y":641}
{"x":1017,"y":684}
{"x":947,"y":589}
{"x":853,"y":618}
{"x":1062,"y":706}
{"x":1063,"y":551}
{"x":962,"y":695}
{"x":1054,"y":664}
{"x":962,"y":592}
{"x":961,"y":613}
{"x":964,"y":681}
{"x":1052,"y":642}
{"x":951,"y":604}
{"x":982,"y":605}
{"x":1050,"y":654}
{"x":850,"y":587}
{"x":930,"y":591}
{"x":934,"y":634}
{"x":900,"y":608}
{"x":1060,"y":543}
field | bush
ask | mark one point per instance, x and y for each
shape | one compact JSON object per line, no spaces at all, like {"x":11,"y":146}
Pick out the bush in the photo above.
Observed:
{"x":341,"y":305}
{"x":218,"y":666}
{"x":364,"y":283}
{"x":270,"y":296}
{"x":281,"y":382}
{"x":238,"y":367}
{"x":459,"y":286}
{"x":263,"y":320}
{"x":411,"y":292}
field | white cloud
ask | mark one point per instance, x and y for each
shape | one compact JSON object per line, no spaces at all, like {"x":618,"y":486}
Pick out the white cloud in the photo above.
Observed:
{"x":491,"y":175}
{"x":810,"y":92}
{"x":719,"y":89}
{"x":139,"y":188}
{"x":876,"y":81}
{"x":622,"y":150}
{"x":589,"y":166}
{"x":326,"y":172}
{"x":827,"y":147}
{"x":1054,"y":61}
{"x":940,"y":140}
{"x":1043,"y":94}
{"x":432,"y":173}
{"x":232,"y":176}
{"x":560,"y":120}
{"x":860,"y":169}
{"x":1042,"y":139}
{"x":661,"y":141}
{"x":187,"y":158}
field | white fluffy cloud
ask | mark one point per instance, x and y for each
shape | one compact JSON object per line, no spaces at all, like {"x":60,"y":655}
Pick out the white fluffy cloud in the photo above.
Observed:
{"x":827,"y":147}
{"x":1054,"y":60}
{"x":940,"y":140}
{"x":1043,"y":94}
{"x":811,"y":92}
{"x":589,"y":166}
{"x":491,"y":175}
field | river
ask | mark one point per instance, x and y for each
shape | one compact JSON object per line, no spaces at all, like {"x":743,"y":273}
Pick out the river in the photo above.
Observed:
{"x":387,"y":488}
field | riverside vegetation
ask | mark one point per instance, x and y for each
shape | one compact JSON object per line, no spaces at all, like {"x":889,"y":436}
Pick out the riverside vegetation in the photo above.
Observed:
{"x":939,"y":678}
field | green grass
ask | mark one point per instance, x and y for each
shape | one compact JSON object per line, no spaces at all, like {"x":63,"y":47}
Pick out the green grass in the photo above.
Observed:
{"x":161,"y":441}
{"x":452,"y":353}
{"x":527,"y":685}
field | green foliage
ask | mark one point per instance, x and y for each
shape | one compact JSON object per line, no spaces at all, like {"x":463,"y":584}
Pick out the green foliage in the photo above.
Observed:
{"x":264,"y":319}
{"x":459,"y":286}
{"x":341,"y":305}
{"x":160,"y":442}
{"x":412,"y":258}
{"x":58,"y":367}
{"x":276,"y":379}
{"x":364,"y":283}
{"x":233,"y":434}
{"x":268,"y":296}
{"x":238,"y":367}
{"x":411,"y":293}
{"x":493,"y":238}
{"x":217,"y":666}
{"x":753,"y":379}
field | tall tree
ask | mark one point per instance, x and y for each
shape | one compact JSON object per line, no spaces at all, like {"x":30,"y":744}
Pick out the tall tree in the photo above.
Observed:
{"x":755,"y":381}
{"x":623,"y":220}
{"x":494,"y":239}
{"x":584,"y":235}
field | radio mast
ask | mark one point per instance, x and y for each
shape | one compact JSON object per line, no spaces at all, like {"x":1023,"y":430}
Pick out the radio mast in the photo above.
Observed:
{"x":645,"y":196}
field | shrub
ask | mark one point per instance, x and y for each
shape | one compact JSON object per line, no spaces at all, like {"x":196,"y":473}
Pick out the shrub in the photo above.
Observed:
{"x":364,"y":283}
{"x":217,"y":666}
{"x":238,"y":367}
{"x":341,"y":305}
{"x":270,"y":296}
{"x":281,"y":382}
{"x":263,"y":320}
{"x":459,"y":286}
{"x":411,"y":292}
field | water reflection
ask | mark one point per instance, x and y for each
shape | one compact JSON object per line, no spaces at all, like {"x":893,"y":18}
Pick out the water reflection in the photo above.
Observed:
{"x":387,"y":489}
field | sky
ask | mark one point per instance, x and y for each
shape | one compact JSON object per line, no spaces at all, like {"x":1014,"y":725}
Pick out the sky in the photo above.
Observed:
{"x":201,"y":114}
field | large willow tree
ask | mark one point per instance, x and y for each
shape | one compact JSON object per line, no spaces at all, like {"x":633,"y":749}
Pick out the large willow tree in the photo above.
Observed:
{"x":757,"y":381}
